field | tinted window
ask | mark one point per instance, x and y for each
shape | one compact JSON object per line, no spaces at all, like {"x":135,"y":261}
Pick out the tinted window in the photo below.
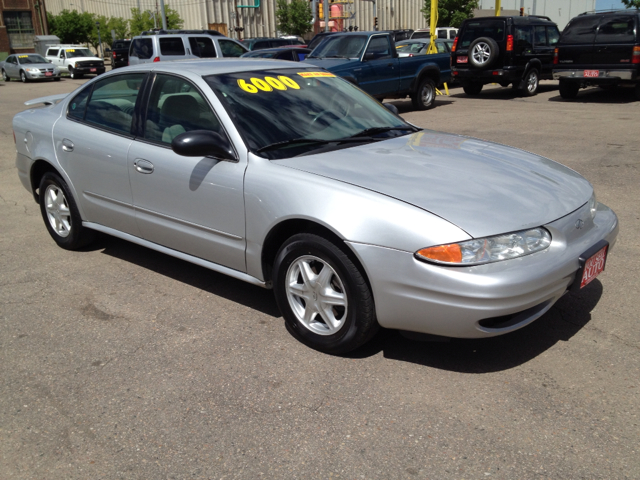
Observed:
{"x":492,"y":29}
{"x":523,"y":39}
{"x":540,"y":35}
{"x":301,"y":56}
{"x":442,"y":33}
{"x":77,"y":106}
{"x":259,"y":45}
{"x":142,"y":48}
{"x":285,"y":55}
{"x":619,"y":29}
{"x":52,"y":52}
{"x":11,"y":60}
{"x":230,"y":49}
{"x":553,"y":35}
{"x":113,"y":101}
{"x":172,"y":46}
{"x":202,"y":47}
{"x":379,"y":47}
{"x":176,"y":106}
{"x":123,"y":44}
{"x":581,"y":30}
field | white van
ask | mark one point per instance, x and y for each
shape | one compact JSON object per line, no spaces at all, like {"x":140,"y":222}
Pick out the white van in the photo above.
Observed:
{"x":165,"y":45}
{"x":441,"y":32}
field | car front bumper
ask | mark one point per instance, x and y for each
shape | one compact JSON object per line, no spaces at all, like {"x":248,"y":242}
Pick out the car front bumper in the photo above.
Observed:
{"x":452,"y":301}
{"x":88,"y":70}
{"x":40,"y":75}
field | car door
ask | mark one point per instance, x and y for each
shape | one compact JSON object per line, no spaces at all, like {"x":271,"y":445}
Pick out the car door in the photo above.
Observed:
{"x":10,"y":66}
{"x":543,"y":50}
{"x":382,"y":76}
{"x":92,"y":142}
{"x":191,"y":204}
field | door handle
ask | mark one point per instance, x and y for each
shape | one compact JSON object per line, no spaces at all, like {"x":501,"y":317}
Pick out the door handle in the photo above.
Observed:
{"x":67,"y":145}
{"x":143,"y":166}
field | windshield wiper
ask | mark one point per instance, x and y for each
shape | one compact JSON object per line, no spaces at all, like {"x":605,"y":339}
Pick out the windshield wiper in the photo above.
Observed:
{"x":376,"y":130}
{"x":313,"y":141}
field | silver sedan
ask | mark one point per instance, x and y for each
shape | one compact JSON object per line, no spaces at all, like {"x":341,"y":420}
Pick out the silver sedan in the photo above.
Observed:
{"x":28,"y":66}
{"x":288,"y":177}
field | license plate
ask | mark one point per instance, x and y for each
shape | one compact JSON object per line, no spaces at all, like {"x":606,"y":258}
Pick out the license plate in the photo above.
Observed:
{"x":463,"y":59}
{"x":48,"y":74}
{"x":93,"y":69}
{"x":592,"y":264}
{"x":591,"y":73}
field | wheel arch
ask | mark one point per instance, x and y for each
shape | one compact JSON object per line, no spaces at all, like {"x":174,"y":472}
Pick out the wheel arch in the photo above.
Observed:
{"x":533,"y":63}
{"x":38,"y":169}
{"x":284,"y":230}
{"x":430,"y":71}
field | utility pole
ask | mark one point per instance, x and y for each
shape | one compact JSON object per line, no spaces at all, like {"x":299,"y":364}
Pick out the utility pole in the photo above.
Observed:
{"x":164,"y":15}
{"x":325,"y":12}
{"x":99,"y":41}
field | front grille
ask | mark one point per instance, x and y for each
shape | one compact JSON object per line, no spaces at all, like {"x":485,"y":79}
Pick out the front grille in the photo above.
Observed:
{"x":90,"y":63}
{"x":44,"y":70}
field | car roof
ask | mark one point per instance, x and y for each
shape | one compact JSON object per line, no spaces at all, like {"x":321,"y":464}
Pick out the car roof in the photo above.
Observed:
{"x":629,"y":12}
{"x":203,"y":67}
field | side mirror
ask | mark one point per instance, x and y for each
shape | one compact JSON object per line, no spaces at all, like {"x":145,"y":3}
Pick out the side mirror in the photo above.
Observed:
{"x":203,"y":143}
{"x":391,"y":107}
{"x":369,"y":56}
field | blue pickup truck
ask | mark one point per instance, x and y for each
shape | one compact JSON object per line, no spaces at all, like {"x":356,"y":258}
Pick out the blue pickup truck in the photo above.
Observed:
{"x":369,"y":60}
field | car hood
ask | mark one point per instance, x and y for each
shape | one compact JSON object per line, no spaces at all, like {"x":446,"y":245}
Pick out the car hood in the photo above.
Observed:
{"x":38,"y":65}
{"x":482,"y":187}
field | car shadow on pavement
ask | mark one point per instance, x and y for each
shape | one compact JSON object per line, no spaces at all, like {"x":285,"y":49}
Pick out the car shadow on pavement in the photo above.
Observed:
{"x":595,"y":95}
{"x":503,"y":93}
{"x":252,"y":296}
{"x":405,"y":106}
{"x":566,"y":318}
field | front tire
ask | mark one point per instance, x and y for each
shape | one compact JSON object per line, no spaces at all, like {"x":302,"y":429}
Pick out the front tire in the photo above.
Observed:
{"x":425,"y":95}
{"x":23,"y":76}
{"x":61,"y":215}
{"x":73,"y":74}
{"x":324,"y":299}
{"x":569,"y":90}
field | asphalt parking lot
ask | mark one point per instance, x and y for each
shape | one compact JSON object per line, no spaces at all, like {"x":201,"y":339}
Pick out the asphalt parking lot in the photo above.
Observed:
{"x":121,"y":362}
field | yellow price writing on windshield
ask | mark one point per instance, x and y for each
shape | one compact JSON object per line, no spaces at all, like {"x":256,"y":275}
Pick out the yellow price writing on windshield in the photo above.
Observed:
{"x":315,"y":74}
{"x":71,"y":50}
{"x":23,"y":56}
{"x":267,"y":84}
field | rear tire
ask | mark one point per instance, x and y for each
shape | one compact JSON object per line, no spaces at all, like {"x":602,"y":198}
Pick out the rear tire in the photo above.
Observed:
{"x":472,"y":88}
{"x":325,"y":300}
{"x":5,"y":77}
{"x":425,"y":96}
{"x":569,"y":90}
{"x":531,"y":83}
{"x":56,"y":79}
{"x":61,"y":215}
{"x":637,"y":91}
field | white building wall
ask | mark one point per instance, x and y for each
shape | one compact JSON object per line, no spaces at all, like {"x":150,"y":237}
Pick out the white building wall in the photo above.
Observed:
{"x":257,"y":22}
{"x":559,"y":11}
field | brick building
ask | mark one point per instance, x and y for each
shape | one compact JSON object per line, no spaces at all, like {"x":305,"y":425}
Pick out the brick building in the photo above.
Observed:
{"x":20,"y":21}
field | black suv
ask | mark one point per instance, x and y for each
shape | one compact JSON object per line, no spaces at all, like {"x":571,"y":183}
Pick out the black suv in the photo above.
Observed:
{"x":599,"y":49}
{"x":515,"y":51}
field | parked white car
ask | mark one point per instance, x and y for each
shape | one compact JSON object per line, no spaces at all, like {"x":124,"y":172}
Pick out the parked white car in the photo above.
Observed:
{"x":75,"y":59}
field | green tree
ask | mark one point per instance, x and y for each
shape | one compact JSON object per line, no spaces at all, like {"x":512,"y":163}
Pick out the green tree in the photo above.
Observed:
{"x":144,"y":20}
{"x":451,"y":13}
{"x":71,"y":26}
{"x":293,"y":18}
{"x":631,"y":4}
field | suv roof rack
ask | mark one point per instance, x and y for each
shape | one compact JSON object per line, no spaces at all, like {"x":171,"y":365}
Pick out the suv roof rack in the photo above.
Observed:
{"x":159,"y":31}
{"x":543,"y":17}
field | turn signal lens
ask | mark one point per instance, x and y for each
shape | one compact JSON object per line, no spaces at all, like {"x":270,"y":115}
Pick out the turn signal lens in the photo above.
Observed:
{"x":487,"y":250}
{"x":635,"y":57}
{"x":555,"y":56}
{"x":442,"y":253}
{"x":455,"y":44}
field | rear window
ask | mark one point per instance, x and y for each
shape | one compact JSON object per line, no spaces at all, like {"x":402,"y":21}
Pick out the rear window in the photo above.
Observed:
{"x":141,"y":48}
{"x":493,"y":29}
{"x":618,"y":29}
{"x":172,"y":46}
{"x":124,"y":44}
{"x":581,"y":30}
{"x":202,"y":47}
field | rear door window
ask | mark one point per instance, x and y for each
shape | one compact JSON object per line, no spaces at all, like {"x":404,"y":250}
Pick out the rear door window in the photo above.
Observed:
{"x":493,"y":29}
{"x":553,"y":35}
{"x":202,"y":47}
{"x":52,"y":52}
{"x":172,"y":46}
{"x":523,"y":39}
{"x":580,"y":31}
{"x":617,"y":29}
{"x":142,"y":48}
{"x":540,"y":35}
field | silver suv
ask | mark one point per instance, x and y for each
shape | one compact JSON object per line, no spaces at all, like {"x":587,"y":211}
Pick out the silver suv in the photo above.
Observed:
{"x":165,"y":45}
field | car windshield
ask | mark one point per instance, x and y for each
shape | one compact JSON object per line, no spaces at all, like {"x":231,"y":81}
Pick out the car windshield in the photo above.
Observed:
{"x":27,"y":59}
{"x":289,"y":112}
{"x":261,"y":54}
{"x":346,"y":46}
{"x":491,"y":28}
{"x":78,"y":52}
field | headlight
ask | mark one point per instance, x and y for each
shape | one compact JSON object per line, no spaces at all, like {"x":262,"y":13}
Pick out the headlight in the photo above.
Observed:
{"x":33,"y":70}
{"x":593,"y":205}
{"x":487,"y":250}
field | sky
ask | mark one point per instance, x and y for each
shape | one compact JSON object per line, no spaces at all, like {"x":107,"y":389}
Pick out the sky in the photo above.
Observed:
{"x":609,"y":5}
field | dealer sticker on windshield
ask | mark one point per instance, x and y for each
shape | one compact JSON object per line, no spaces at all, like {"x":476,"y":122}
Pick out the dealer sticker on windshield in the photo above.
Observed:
{"x":315,"y":74}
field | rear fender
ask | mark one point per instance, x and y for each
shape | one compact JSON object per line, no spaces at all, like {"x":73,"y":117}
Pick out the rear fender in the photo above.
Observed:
{"x":432,"y":71}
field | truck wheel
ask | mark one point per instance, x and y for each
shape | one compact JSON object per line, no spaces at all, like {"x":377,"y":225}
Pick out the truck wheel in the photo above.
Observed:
{"x":472,"y":88}
{"x":425,"y":96}
{"x":569,"y":90}
{"x":483,"y":52}
{"x":73,"y":74}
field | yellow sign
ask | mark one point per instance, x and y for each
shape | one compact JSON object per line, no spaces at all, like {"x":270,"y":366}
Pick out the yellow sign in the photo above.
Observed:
{"x":315,"y":74}
{"x":71,"y":50}
{"x":268,"y":84}
{"x":23,"y":56}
